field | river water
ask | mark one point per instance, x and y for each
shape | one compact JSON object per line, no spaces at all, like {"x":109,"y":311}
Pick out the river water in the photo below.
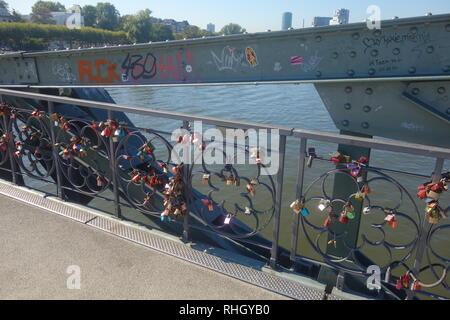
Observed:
{"x":296,"y":106}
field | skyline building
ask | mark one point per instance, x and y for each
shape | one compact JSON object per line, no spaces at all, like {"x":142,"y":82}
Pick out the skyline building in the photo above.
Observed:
{"x":286,"y":21}
{"x":321,"y":21}
{"x":341,"y":16}
{"x":211,"y":27}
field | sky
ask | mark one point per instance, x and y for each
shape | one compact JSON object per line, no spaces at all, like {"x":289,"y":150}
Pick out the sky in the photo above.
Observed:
{"x":258,"y":15}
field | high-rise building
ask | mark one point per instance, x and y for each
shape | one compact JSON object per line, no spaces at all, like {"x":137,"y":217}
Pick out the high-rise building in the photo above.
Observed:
{"x":341,"y":16}
{"x":321,"y":21}
{"x":211,"y":27}
{"x":287,"y":21}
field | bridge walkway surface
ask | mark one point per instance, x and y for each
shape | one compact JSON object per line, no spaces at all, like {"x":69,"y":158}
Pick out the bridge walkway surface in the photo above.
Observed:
{"x":38,"y":247}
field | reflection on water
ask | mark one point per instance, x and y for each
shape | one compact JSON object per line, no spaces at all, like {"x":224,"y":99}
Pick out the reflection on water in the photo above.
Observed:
{"x":296,"y":106}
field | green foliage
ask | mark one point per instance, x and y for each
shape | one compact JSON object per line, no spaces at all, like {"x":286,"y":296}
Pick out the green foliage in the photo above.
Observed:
{"x":161,"y":32}
{"x":42,"y":15}
{"x":107,"y":16}
{"x":17,"y":17}
{"x":23,"y":36}
{"x":50,"y":5}
{"x":4,"y":5}
{"x":232,"y":28}
{"x":138,"y":27}
{"x":90,"y":15}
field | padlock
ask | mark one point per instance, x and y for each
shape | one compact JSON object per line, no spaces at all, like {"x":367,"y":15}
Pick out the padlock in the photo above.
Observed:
{"x":251,"y":189}
{"x":106,"y":132}
{"x":209,"y":204}
{"x":137,"y":178}
{"x":324,"y":204}
{"x":344,"y":219}
{"x":230,"y":180}
{"x":366,"y":210}
{"x":360,"y":196}
{"x":228,"y":219}
{"x":311,"y":156}
{"x":37,"y":152}
{"x":297,"y":206}
{"x":327,"y":222}
{"x":416,"y":286}
{"x":248,"y":211}
{"x":305,"y":212}
{"x":366,"y":189}
{"x":100,"y":181}
{"x":332,"y":243}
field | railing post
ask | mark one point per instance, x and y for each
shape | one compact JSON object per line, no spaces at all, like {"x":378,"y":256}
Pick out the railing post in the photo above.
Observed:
{"x":11,"y":146}
{"x":188,"y":186}
{"x":425,"y":228}
{"x":299,"y":193}
{"x":278,"y":199}
{"x":59,"y":191}
{"x":112,"y":147}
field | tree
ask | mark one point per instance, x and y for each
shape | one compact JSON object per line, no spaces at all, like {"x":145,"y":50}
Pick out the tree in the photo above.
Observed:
{"x":16,"y":16}
{"x":4,"y":5}
{"x":90,"y":15}
{"x":138,"y":27}
{"x":42,"y":16}
{"x":161,"y":32}
{"x":232,"y":28}
{"x":50,"y":5}
{"x":107,"y":16}
{"x":192,"y":32}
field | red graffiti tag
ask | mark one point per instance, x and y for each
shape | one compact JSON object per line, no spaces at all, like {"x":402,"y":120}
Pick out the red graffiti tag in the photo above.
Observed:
{"x":85,"y":69}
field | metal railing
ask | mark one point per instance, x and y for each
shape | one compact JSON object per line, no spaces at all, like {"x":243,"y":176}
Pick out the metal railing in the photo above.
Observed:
{"x":86,"y":159}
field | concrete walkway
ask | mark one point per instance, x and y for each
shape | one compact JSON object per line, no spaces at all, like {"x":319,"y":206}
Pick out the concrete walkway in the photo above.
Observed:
{"x":38,"y":247}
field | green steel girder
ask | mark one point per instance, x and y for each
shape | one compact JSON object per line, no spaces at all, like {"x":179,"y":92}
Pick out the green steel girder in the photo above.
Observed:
{"x":413,"y":47}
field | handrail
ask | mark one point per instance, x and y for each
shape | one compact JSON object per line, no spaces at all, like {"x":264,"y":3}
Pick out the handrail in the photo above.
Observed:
{"x":401,"y":147}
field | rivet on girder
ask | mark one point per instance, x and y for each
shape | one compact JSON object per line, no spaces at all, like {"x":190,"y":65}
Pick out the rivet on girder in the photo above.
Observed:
{"x":318,"y":74}
{"x":396,"y":51}
{"x":372,"y":71}
{"x":351,"y":73}
{"x":353,"y":54}
{"x":441,"y":90}
{"x":345,"y":123}
{"x":367,"y":108}
{"x":355,"y":36}
{"x":374,"y":52}
{"x":348,"y":89}
{"x":335,"y":55}
{"x":430,"y":49}
{"x":415,"y":91}
{"x":365,"y":125}
{"x":412,"y":70}
{"x":369,"y":91}
{"x":446,"y":69}
{"x":347,"y":106}
{"x":318,"y":38}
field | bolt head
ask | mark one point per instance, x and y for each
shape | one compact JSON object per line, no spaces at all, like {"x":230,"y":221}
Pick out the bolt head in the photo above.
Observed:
{"x":365,"y":125}
{"x":396,"y":51}
{"x":348,"y":89}
{"x":367,"y":108}
{"x":345,"y":123}
{"x":441,"y":90}
{"x":347,"y":106}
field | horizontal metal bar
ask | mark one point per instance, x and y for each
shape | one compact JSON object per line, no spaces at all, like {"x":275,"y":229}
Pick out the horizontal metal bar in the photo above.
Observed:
{"x":395,"y":146}
{"x":251,"y":83}
{"x":427,"y":151}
